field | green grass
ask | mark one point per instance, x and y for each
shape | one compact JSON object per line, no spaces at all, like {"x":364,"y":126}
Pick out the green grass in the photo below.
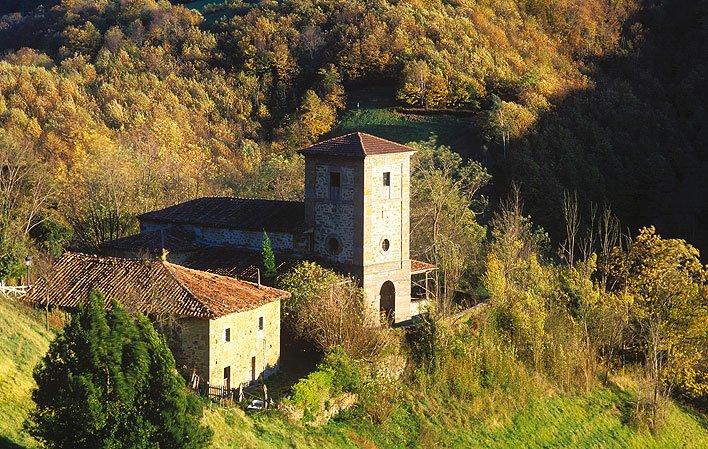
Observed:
{"x":372,"y":110}
{"x":23,"y":341}
{"x":200,"y":4}
{"x":594,"y":420}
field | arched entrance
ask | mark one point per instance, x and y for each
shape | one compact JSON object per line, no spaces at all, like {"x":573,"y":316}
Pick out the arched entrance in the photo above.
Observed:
{"x":388,"y":300}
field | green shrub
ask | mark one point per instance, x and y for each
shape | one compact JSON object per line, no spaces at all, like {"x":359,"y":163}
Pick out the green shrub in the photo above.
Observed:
{"x":313,"y":392}
{"x":346,"y":373}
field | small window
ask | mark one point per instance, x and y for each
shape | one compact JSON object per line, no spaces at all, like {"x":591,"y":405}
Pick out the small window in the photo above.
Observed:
{"x":385,"y":244}
{"x":387,"y":179}
{"x":260,"y":323}
{"x":333,"y":245}
{"x":335,"y":182}
{"x":227,"y":334}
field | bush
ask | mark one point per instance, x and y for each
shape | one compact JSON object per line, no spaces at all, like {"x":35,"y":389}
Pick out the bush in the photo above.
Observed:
{"x":313,"y":393}
{"x":346,"y":373}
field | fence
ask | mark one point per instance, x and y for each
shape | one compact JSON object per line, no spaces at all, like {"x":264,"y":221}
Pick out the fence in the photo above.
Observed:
{"x":13,"y":290}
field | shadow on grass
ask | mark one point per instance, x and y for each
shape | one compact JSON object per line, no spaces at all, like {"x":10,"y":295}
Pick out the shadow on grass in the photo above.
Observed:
{"x":701,"y":418}
{"x":6,"y":443}
{"x":625,"y":402}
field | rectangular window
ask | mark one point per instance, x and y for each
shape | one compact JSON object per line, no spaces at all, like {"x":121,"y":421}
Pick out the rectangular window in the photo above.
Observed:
{"x":253,"y":369}
{"x":335,"y":182}
{"x":387,"y":179}
{"x":260,"y":323}
{"x":227,"y":334}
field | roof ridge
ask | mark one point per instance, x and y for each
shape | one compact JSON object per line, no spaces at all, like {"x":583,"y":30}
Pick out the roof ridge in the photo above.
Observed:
{"x":361,"y":142}
{"x":385,"y":140}
{"x":167,"y":267}
{"x":229,"y":197}
{"x":99,"y":257}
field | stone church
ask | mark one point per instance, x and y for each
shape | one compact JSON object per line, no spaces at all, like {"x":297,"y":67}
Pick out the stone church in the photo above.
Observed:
{"x":355,"y":219}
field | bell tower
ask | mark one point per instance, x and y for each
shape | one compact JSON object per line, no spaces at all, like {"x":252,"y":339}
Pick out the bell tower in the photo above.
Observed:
{"x":357,"y":211}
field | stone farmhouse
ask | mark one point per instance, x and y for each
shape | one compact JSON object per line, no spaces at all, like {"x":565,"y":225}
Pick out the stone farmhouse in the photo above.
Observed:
{"x":355,"y":219}
{"x":225,"y":330}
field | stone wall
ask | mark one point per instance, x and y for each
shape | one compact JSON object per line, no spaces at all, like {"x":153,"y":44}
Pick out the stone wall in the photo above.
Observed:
{"x":247,"y":341}
{"x":387,"y":217}
{"x":188,"y":339}
{"x":338,"y":218}
{"x":210,"y":236}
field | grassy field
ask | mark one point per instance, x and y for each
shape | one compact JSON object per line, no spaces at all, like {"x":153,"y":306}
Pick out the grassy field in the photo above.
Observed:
{"x":372,"y":110}
{"x":23,"y":341}
{"x":200,"y":4}
{"x":594,"y":420}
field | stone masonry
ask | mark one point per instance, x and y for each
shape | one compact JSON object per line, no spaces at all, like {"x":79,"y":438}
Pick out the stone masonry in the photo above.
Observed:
{"x":369,"y":219}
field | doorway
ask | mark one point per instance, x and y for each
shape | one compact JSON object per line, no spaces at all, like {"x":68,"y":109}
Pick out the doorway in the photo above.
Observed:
{"x":227,"y":378}
{"x":387,"y":304}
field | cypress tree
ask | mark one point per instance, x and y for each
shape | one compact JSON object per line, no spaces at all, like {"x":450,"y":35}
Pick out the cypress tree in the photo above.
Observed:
{"x":268,"y":259}
{"x":109,"y":381}
{"x":173,"y":412}
{"x":82,"y":397}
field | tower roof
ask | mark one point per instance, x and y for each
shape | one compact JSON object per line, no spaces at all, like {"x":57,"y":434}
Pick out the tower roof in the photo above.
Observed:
{"x":355,"y":145}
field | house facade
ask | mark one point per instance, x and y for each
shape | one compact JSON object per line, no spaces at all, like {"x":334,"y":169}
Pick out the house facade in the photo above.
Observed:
{"x":355,"y":219}
{"x":224,"y":330}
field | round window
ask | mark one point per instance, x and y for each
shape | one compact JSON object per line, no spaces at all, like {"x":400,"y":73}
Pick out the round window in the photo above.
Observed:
{"x":385,"y":244}
{"x":333,"y":245}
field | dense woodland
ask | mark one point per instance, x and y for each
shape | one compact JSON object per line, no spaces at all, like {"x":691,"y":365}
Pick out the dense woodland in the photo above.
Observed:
{"x":590,"y":116}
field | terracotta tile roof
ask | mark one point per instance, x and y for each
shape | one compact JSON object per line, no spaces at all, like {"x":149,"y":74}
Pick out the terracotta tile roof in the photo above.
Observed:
{"x":418,"y":266}
{"x":240,"y":263}
{"x":174,"y":238}
{"x":248,"y":214}
{"x":355,"y":144}
{"x":148,"y":286}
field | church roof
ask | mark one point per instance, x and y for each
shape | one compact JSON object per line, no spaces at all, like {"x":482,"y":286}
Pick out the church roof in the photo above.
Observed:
{"x":174,"y":238}
{"x":248,"y":214}
{"x":357,"y":145}
{"x":148,"y":286}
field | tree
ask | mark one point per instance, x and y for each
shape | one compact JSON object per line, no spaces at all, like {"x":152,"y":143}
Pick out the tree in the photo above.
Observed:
{"x":268,"y":259}
{"x":24,"y":192}
{"x":305,"y":282}
{"x":668,"y":285}
{"x":316,"y":116}
{"x":109,"y":380}
{"x":444,"y":202}
{"x":173,"y":412}
{"x":337,"y":317}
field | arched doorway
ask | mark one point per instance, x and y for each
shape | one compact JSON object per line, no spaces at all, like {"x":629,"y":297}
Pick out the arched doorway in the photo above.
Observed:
{"x":388,"y":300}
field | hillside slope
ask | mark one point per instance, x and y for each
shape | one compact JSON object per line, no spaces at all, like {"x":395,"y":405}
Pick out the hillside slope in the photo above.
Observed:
{"x":597,"y":419}
{"x":23,"y":341}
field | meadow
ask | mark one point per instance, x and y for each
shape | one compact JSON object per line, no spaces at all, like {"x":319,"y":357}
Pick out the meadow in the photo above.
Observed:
{"x":421,"y":420}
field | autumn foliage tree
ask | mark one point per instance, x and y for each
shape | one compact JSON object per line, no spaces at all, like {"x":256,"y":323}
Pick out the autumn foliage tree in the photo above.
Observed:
{"x":667,"y":284}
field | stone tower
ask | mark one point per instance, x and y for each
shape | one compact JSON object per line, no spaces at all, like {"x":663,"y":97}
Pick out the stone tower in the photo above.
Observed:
{"x":357,"y":214}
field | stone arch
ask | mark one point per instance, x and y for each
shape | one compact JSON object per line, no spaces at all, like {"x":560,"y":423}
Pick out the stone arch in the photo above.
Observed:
{"x":387,"y":303}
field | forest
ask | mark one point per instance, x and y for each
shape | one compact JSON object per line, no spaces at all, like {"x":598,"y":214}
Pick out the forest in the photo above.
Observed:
{"x":578,"y":204}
